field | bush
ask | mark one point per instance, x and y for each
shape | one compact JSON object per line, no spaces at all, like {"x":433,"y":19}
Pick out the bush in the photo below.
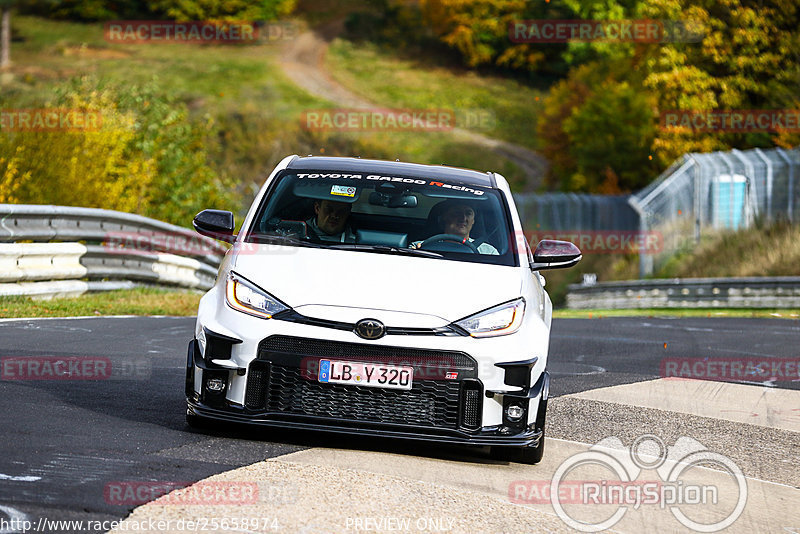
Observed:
{"x":77,"y":168}
{"x":146,"y":158}
{"x":183,"y":10}
{"x":598,"y":132}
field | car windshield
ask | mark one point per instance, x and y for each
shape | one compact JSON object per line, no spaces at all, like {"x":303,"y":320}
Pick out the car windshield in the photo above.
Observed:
{"x":411,"y":216}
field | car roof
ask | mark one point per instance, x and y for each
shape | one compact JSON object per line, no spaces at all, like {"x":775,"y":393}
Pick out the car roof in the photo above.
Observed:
{"x":395,"y":168}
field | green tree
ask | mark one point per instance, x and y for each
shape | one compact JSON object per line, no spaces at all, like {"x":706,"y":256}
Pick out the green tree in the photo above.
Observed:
{"x":183,"y":10}
{"x":746,"y":59}
{"x":597,"y":132}
{"x":147,"y":157}
{"x":224,"y":9}
{"x":479,"y":31}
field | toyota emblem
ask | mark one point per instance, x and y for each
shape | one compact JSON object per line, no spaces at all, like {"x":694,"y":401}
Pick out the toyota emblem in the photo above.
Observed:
{"x":370,"y":329}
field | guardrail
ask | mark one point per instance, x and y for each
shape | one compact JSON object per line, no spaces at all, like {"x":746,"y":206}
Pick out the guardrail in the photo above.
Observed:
{"x":75,"y":250}
{"x":767,"y":292}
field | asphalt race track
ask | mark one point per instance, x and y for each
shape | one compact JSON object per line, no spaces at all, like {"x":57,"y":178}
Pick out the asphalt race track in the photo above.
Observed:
{"x":65,"y":441}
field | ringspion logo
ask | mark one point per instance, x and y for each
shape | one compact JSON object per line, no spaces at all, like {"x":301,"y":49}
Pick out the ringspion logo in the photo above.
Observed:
{"x":614,"y":485}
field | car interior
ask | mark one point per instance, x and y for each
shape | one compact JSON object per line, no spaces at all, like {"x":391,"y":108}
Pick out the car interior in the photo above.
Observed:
{"x":381,"y":219}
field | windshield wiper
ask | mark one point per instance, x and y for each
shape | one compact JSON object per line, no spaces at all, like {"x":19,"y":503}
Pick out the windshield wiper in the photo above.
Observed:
{"x":388,"y":249}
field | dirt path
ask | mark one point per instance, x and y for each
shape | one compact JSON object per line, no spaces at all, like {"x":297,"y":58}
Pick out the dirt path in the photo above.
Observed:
{"x":303,"y":61}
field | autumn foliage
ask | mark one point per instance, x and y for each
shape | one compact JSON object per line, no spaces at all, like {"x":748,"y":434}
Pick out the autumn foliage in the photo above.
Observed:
{"x":147,"y":157}
{"x":600,"y":123}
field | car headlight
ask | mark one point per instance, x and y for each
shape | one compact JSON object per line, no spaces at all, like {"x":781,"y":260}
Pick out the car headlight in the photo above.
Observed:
{"x":497,"y":321}
{"x":244,"y":296}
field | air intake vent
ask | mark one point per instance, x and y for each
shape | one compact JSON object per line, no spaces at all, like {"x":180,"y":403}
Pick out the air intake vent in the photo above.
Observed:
{"x":471,"y":404}
{"x":255,"y":397}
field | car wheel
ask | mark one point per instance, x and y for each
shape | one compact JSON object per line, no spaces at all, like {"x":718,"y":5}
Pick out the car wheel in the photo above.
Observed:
{"x":525,"y":455}
{"x":195,"y":421}
{"x":533,"y":455}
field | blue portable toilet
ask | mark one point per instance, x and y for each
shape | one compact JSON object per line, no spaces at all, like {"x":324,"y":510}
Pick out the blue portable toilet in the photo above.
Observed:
{"x":730,"y":195}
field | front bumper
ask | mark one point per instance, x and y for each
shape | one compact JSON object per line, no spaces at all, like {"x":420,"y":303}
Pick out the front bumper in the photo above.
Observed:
{"x":484,"y":437}
{"x":279,"y":392}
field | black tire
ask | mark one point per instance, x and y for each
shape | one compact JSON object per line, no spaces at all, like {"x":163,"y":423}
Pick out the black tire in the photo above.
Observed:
{"x":195,"y":421}
{"x":533,"y":455}
{"x":525,"y":455}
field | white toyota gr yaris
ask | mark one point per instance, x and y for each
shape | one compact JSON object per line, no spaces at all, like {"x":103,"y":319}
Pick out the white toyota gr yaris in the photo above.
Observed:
{"x":378,"y":298}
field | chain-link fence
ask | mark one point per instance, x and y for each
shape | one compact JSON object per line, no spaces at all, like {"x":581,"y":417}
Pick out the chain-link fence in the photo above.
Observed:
{"x":718,"y":191}
{"x":572,"y":211}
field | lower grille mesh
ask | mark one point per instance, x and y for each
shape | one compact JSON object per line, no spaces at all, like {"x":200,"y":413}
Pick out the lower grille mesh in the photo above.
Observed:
{"x":428,"y":403}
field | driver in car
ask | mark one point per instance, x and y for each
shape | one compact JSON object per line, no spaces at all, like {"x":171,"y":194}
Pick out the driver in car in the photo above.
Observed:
{"x":330,"y":221}
{"x":457,"y":220}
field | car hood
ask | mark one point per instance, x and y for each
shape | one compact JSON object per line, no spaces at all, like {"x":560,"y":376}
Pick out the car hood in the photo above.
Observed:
{"x":400,"y":290}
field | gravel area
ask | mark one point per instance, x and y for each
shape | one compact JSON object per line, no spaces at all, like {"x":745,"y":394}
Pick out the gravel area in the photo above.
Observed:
{"x":314,"y":499}
{"x":764,"y":453}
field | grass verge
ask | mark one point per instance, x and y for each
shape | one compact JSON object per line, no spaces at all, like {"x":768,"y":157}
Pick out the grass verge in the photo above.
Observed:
{"x":680,"y":312}
{"x":491,"y":105}
{"x":139,"y":301}
{"x":240,"y":90}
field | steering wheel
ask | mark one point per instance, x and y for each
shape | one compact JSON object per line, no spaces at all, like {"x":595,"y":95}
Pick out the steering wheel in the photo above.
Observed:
{"x":450,"y":238}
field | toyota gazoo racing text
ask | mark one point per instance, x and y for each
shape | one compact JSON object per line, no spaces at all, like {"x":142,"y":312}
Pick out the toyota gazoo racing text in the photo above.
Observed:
{"x":378,"y":298}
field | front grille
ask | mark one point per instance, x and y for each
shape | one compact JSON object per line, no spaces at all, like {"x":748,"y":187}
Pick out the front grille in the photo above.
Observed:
{"x":274,"y":347}
{"x":283,"y":380}
{"x":427,"y":403}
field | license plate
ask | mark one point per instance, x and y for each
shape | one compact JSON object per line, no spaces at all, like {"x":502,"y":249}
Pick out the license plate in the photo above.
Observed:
{"x":365,"y":374}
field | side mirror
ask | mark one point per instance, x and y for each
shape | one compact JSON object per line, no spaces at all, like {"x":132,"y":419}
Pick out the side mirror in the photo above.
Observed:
{"x":217,"y":224}
{"x":551,"y":254}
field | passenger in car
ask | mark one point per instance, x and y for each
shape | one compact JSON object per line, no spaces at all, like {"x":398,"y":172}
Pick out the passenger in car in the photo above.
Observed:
{"x":457,"y":219}
{"x":331,"y":221}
